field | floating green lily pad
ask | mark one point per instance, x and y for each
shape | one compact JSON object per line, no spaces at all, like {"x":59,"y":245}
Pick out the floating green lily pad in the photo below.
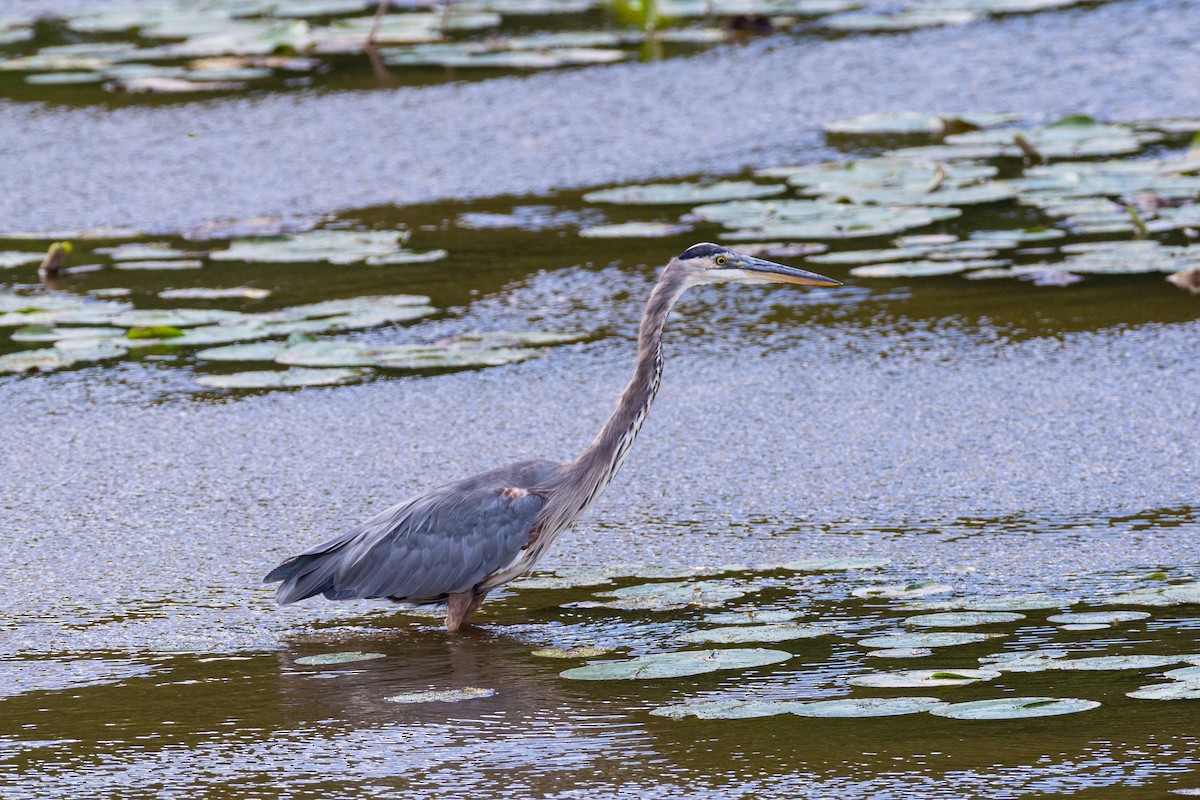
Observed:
{"x":442,"y":695}
{"x":346,"y":657}
{"x":817,"y":219}
{"x":901,"y":591}
{"x":12,"y":258}
{"x":755,"y":633}
{"x":634,"y":230}
{"x":765,"y":617}
{"x":201,"y":293}
{"x":1015,"y":708}
{"x":1167,"y":691}
{"x":147,"y":251}
{"x":277,"y":379}
{"x":922,"y":269}
{"x":406,"y":257}
{"x":1115,"y":662}
{"x":921,"y":678}
{"x":867,"y":707}
{"x":727,"y":709}
{"x":903,"y":20}
{"x":504,"y":339}
{"x":831,"y":564}
{"x":582,"y":651}
{"x":962,"y":619}
{"x":41,"y":333}
{"x":667,"y":596}
{"x":1098,"y":617}
{"x":676,"y":665}
{"x":901,"y":652}
{"x":684,"y":193}
{"x":947,"y":639}
{"x":407,"y":357}
{"x":334,"y":247}
{"x":1027,"y":602}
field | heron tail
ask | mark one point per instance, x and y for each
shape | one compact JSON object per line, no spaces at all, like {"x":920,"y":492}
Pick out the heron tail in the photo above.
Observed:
{"x":307,"y":574}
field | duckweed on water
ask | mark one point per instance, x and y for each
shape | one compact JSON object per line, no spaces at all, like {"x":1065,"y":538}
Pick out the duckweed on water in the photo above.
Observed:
{"x":676,"y":665}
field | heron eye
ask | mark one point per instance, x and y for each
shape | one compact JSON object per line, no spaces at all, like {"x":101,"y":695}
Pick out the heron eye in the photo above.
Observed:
{"x":720,"y":260}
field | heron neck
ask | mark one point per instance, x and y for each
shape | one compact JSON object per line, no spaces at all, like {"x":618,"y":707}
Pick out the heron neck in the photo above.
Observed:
{"x":599,"y":464}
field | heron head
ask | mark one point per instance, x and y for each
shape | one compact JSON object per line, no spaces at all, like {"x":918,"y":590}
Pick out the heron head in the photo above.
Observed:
{"x":714,"y":263}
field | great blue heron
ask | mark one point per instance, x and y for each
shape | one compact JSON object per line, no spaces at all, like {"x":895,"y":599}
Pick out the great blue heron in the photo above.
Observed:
{"x":459,"y":541}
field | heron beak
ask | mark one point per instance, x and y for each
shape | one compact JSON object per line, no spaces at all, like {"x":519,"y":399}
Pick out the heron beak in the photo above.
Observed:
{"x":769,"y":272}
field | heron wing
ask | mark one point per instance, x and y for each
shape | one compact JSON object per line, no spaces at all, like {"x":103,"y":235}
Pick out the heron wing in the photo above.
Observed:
{"x":427,"y":547}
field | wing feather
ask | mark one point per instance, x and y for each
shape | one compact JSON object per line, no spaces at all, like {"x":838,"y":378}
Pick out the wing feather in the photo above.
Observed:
{"x":427,"y":547}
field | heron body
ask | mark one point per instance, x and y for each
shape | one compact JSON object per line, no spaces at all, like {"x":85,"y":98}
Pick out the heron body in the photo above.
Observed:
{"x":457,"y":542}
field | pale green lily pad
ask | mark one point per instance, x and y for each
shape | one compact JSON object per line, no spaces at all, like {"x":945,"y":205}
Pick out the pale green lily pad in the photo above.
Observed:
{"x":1036,"y":234}
{"x":174,"y":318}
{"x":867,"y":707}
{"x":667,"y":596}
{"x":467,"y":55}
{"x":1015,"y":708}
{"x":294,"y":377}
{"x":250,"y":351}
{"x":1065,"y":139}
{"x":1084,"y":626}
{"x":764,"y":617}
{"x":684,"y":193}
{"x":947,"y":639}
{"x":201,"y":293}
{"x":677,"y":665}
{"x":817,"y":219}
{"x":902,"y":652}
{"x":1167,"y":691}
{"x":581,"y":651}
{"x":907,"y":122}
{"x":40,"y":333}
{"x":148,"y":251}
{"x":346,"y":657}
{"x":442,"y":695}
{"x":170,"y":264}
{"x":962,"y":619}
{"x":927,"y":268}
{"x":1115,"y":662}
{"x":565,"y":578}
{"x":408,"y":357}
{"x":11,"y":258}
{"x":113,"y":291}
{"x":1023,"y":660}
{"x":1098,"y":617}
{"x":634,"y":230}
{"x":1026,"y":602}
{"x":1187,"y":674}
{"x":727,"y":709}
{"x":831,"y":564}
{"x":82,"y":234}
{"x":54,"y":358}
{"x":334,"y":247}
{"x":903,"y":590}
{"x":870,"y":256}
{"x":923,"y":678}
{"x":1183,"y":593}
{"x":63,"y":78}
{"x":755,"y":633}
{"x":903,"y":20}
{"x":406,"y":257}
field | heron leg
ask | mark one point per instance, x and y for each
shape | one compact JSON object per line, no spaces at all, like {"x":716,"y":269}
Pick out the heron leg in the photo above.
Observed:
{"x":462,"y":606}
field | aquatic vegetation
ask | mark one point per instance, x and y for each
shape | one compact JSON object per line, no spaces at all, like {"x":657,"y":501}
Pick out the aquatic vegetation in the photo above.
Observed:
{"x":1014,"y":708}
{"x":442,"y":695}
{"x":917,"y":678}
{"x":347,"y":657}
{"x":755,"y":633}
{"x":580,"y":651}
{"x":963,"y":619}
{"x":676,"y":665}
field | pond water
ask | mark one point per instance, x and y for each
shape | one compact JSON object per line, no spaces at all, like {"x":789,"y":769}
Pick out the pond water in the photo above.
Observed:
{"x":902,"y":446}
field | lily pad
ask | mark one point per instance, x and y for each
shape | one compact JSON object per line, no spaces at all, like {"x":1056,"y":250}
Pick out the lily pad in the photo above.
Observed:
{"x":274,"y":379}
{"x":1115,"y":662}
{"x":201,"y":293}
{"x":867,"y":707}
{"x":908,"y":122}
{"x":11,"y":258}
{"x":923,"y":678}
{"x":948,"y":639}
{"x":755,"y":633}
{"x":442,"y":695}
{"x":1015,"y":708}
{"x":667,"y":596}
{"x":147,"y":251}
{"x":1098,"y":617}
{"x":727,"y":709}
{"x":169,"y":264}
{"x":406,"y":257}
{"x":905,"y":19}
{"x":634,"y":230}
{"x":1026,"y":602}
{"x":684,"y":193}
{"x":334,"y":247}
{"x":922,"y":269}
{"x":962,"y":619}
{"x":902,"y":652}
{"x":1177,"y":690}
{"x":764,"y":616}
{"x":346,"y":657}
{"x":676,"y":665}
{"x":903,"y":590}
{"x":40,"y":333}
{"x":582,"y":651}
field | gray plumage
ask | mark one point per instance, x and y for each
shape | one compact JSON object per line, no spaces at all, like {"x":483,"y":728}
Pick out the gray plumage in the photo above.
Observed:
{"x":462,"y":539}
